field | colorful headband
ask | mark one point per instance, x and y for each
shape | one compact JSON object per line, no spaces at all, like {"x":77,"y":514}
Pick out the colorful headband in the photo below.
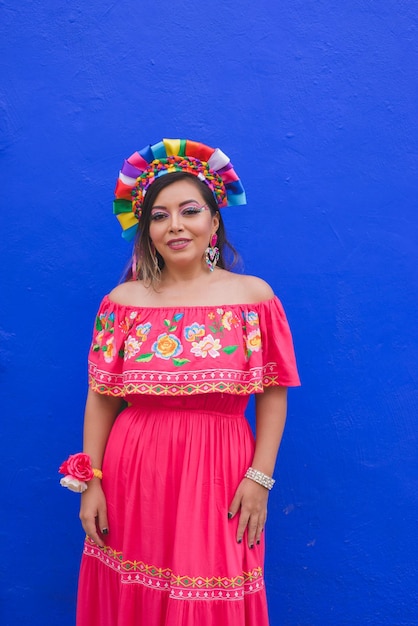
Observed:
{"x":142,"y":168}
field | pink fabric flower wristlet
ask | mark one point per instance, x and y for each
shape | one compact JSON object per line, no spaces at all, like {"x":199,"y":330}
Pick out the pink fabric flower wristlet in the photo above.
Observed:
{"x":78,"y":471}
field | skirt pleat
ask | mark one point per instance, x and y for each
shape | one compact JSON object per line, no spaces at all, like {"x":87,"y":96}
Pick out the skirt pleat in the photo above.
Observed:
{"x":170,"y":471}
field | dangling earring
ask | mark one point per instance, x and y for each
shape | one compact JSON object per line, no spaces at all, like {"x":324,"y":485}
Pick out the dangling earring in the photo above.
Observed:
{"x":212,"y":253}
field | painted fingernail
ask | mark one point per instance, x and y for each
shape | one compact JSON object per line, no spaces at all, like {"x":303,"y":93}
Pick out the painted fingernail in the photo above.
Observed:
{"x":258,"y":542}
{"x":229,"y":515}
{"x":251,"y":546}
{"x":105,"y":531}
{"x":239,"y":540}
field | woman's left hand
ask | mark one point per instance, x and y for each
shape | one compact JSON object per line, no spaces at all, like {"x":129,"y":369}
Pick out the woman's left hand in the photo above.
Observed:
{"x":251,"y":500}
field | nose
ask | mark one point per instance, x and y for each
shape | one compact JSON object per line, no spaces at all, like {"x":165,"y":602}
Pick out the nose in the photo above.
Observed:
{"x":176,"y":223}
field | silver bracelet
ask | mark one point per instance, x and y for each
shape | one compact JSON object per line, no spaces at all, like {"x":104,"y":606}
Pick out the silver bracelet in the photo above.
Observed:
{"x":260,"y":478}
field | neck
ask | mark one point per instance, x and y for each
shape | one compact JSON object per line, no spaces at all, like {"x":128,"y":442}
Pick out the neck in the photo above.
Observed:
{"x":187,"y":276}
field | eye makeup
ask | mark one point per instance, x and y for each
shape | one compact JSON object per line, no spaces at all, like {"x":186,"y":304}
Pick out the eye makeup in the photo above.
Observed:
{"x":186,"y":211}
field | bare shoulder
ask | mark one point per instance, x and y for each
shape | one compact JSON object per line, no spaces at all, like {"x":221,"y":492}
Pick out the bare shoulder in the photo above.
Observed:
{"x":250,"y":288}
{"x":131,"y":293}
{"x":256,"y":288}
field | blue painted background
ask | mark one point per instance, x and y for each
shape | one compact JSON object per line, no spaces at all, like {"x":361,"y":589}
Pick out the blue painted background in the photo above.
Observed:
{"x":316,"y":103}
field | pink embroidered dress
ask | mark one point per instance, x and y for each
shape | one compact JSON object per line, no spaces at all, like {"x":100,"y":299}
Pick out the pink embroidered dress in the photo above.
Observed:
{"x":174,"y":459}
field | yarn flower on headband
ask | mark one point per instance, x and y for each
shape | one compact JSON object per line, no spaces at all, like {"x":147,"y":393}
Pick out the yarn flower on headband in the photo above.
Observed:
{"x":142,"y":168}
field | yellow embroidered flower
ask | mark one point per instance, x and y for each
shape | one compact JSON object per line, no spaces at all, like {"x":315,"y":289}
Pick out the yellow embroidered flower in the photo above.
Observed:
{"x":194,"y":331}
{"x":125,"y":325}
{"x":229,"y":319}
{"x":253,"y":340}
{"x":109,"y":350}
{"x":99,"y":337}
{"x":167,"y":346}
{"x":211,"y":316}
{"x":142,"y":331}
{"x":252,"y":318}
{"x":208,"y":345}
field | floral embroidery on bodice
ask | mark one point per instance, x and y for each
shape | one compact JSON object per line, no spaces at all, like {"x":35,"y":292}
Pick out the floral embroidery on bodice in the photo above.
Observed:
{"x":238,"y":349}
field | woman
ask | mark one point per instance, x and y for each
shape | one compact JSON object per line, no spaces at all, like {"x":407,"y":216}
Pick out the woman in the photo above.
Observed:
{"x":175,"y":511}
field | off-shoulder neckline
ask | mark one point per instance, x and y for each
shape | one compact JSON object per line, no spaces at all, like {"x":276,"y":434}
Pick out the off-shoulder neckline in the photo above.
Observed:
{"x":190,"y":307}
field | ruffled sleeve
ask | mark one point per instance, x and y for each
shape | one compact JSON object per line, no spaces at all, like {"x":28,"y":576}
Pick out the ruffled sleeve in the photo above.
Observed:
{"x":234,"y":349}
{"x":278,"y":355}
{"x":105,"y":362}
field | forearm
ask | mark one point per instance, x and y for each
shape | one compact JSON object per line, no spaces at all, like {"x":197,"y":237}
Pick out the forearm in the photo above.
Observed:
{"x":100,"y":414}
{"x":271,"y":407}
{"x":250,"y":496}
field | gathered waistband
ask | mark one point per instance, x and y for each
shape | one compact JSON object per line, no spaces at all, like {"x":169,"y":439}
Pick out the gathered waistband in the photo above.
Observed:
{"x":211,"y":404}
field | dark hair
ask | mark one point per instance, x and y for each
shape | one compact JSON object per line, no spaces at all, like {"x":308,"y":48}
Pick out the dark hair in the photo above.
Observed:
{"x":149,"y":263}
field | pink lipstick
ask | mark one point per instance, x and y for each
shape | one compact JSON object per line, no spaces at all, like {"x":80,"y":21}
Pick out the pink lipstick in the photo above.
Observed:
{"x":178,"y":244}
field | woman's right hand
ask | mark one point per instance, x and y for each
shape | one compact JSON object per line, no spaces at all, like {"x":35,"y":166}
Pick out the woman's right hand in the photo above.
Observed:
{"x":93,"y":512}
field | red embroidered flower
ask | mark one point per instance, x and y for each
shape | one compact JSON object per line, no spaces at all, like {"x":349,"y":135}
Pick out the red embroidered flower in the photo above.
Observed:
{"x":78,"y":466}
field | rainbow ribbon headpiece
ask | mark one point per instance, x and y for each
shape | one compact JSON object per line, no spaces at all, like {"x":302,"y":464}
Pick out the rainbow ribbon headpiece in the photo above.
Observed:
{"x":141,"y":169}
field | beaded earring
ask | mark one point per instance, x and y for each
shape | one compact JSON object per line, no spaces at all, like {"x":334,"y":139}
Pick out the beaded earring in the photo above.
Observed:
{"x":212,"y":253}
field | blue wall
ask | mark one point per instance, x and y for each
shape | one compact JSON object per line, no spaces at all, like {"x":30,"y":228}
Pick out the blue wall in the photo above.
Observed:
{"x":316,"y":103}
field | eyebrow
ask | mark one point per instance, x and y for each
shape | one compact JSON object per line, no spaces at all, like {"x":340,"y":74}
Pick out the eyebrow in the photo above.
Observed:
{"x":158,"y":206}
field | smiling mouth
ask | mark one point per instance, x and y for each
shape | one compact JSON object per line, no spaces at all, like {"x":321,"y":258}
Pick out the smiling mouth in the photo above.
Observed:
{"x":178,"y":244}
